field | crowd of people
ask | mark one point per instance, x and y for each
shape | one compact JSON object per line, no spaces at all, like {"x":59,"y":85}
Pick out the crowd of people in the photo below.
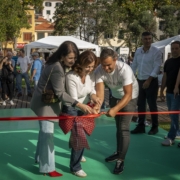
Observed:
{"x":14,"y":68}
{"x":73,"y":84}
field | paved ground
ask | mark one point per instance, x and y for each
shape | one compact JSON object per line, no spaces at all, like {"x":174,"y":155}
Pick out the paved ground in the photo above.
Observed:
{"x":24,"y":102}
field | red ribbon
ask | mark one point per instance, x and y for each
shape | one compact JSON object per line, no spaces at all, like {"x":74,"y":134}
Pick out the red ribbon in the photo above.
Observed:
{"x":89,"y":115}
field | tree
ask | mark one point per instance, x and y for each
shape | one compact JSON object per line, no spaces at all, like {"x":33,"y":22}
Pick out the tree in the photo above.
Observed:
{"x":13,"y":17}
{"x":136,"y":17}
{"x":170,"y":20}
{"x":34,"y":3}
{"x":86,"y":19}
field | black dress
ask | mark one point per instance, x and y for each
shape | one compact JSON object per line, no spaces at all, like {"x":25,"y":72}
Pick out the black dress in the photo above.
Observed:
{"x":7,"y":79}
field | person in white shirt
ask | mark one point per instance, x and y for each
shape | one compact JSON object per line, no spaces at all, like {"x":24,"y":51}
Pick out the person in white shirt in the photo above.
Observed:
{"x":146,"y":64}
{"x":80,"y":85}
{"x":119,"y":77}
{"x":25,"y":65}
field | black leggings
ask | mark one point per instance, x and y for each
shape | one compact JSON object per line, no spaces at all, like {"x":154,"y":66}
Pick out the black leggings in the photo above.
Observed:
{"x":7,"y":89}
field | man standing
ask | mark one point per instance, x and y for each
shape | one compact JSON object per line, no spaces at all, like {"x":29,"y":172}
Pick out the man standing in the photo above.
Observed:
{"x":146,"y":64}
{"x":171,"y":68}
{"x":36,"y":69}
{"x":24,"y":63}
{"x":119,"y":78}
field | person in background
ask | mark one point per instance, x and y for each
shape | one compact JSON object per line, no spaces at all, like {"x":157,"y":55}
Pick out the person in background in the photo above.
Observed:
{"x":24,"y":64}
{"x":9,"y":56}
{"x":146,"y":64}
{"x":53,"y":78}
{"x":36,"y":69}
{"x":171,"y":68}
{"x":15,"y":58}
{"x":7,"y":78}
{"x":130,"y":61}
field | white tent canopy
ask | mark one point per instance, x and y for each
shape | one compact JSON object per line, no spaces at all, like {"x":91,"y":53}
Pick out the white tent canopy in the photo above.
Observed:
{"x":52,"y":42}
{"x":165,"y":45}
{"x":43,"y":50}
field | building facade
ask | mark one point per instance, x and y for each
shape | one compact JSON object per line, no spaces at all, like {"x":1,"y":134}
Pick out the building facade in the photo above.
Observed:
{"x":49,"y":9}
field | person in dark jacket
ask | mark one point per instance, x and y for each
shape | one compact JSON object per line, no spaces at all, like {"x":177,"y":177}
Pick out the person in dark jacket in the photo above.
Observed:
{"x":7,"y":78}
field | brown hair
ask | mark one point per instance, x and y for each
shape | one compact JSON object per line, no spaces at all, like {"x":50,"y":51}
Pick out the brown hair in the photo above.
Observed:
{"x":85,"y":58}
{"x":98,"y":62}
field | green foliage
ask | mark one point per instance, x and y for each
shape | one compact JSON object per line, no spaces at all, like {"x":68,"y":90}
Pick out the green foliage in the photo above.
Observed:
{"x":89,"y":19}
{"x":107,"y":17}
{"x":33,"y":3}
{"x":170,"y":23}
{"x":13,"y":17}
{"x":66,"y":17}
{"x":137,"y":16}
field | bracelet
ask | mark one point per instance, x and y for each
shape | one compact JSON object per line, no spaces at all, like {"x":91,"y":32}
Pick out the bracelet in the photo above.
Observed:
{"x":75,"y":103}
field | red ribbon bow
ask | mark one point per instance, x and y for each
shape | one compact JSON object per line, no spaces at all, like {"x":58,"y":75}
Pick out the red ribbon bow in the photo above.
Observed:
{"x":80,"y":126}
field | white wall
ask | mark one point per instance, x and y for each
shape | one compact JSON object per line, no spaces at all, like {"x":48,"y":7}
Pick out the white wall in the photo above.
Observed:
{"x":49,"y":8}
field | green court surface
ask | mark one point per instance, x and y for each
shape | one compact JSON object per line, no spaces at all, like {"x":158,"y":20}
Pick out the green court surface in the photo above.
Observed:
{"x":146,"y":158}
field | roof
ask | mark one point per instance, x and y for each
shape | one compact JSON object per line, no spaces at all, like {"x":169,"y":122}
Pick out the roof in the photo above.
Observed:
{"x":166,"y":42}
{"x":41,"y":19}
{"x":44,"y":26}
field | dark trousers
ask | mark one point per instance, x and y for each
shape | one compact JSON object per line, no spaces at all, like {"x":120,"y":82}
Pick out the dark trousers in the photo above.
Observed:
{"x":122,"y":126}
{"x":7,"y":89}
{"x":148,"y":95}
{"x":76,"y":156}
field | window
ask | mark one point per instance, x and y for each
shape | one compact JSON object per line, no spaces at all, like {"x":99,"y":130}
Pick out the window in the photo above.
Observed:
{"x":48,"y":12}
{"x":29,"y":19}
{"x":40,"y":35}
{"x":48,"y":4}
{"x":121,"y":34}
{"x":108,"y":36}
{"x":57,"y":4}
{"x":27,"y":36}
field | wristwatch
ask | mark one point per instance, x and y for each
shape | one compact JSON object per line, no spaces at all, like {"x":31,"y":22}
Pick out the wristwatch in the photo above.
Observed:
{"x":75,"y":103}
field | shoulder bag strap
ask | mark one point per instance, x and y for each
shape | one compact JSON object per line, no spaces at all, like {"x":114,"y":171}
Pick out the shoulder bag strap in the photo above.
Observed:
{"x":48,"y":78}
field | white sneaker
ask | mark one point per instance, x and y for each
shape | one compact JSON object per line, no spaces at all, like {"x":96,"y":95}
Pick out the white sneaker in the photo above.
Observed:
{"x":83,"y":159}
{"x":4,"y":103}
{"x":11,"y":102}
{"x":167,"y":142}
{"x":80,"y":173}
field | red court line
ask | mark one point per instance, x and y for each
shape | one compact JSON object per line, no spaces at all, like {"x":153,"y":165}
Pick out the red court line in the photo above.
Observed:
{"x":86,"y":116}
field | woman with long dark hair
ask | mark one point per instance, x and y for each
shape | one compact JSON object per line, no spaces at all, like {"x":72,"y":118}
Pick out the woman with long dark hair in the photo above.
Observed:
{"x":53,"y":78}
